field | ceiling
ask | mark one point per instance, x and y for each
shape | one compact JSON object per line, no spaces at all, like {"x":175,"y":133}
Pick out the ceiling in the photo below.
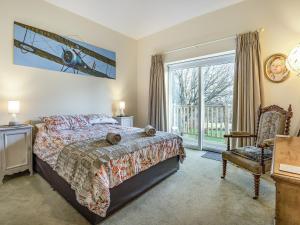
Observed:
{"x":140,"y":18}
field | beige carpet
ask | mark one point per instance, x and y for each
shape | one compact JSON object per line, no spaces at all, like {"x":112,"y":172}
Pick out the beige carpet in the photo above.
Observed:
{"x":194,"y":195}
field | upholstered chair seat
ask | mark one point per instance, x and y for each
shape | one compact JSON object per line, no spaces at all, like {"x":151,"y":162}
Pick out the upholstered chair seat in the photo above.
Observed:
{"x":253,"y":153}
{"x":252,"y":166}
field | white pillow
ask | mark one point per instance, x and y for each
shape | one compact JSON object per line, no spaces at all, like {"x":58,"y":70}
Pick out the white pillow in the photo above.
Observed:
{"x":103,"y":120}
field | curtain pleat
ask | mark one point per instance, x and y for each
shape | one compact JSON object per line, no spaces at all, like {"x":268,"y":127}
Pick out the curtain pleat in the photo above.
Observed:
{"x":157,"y":96}
{"x":247,"y":91}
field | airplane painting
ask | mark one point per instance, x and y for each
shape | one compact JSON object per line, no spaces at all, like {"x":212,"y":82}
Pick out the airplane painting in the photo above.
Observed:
{"x":42,"y":49}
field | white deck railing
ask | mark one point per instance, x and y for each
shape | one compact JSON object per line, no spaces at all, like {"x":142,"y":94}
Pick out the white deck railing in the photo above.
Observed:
{"x":217,"y":119}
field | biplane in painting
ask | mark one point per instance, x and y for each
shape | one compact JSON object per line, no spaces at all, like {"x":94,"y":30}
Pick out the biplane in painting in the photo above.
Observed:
{"x":42,"y":49}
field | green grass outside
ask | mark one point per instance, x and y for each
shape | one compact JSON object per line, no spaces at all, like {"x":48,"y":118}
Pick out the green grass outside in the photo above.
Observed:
{"x":208,"y":137}
{"x":214,"y":139}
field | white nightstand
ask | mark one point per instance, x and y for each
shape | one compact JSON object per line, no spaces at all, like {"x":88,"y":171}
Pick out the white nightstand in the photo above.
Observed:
{"x":125,"y":121}
{"x":15,"y":150}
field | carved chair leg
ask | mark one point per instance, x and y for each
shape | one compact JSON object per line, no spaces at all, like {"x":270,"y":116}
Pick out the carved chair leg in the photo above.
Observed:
{"x":224,"y":168}
{"x":256,"y":185}
{"x":262,"y":161}
{"x":263,"y":169}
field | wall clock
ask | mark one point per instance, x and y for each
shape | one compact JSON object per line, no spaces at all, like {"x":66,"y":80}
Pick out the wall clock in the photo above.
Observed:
{"x":275,"y":68}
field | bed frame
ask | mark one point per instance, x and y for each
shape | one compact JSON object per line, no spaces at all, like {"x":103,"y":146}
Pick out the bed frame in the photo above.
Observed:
{"x":120,"y":195}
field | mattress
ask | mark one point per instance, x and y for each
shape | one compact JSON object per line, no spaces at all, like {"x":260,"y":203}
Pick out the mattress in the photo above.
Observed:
{"x":92,"y":167}
{"x":120,"y":195}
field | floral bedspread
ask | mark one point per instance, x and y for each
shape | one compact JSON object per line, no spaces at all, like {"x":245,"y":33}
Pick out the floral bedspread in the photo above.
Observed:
{"x":49,"y":143}
{"x":92,"y":166}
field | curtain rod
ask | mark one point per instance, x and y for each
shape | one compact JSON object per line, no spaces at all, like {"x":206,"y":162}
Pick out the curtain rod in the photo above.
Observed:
{"x":260,"y":30}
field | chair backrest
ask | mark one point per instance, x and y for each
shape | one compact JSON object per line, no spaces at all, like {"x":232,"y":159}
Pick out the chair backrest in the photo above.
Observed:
{"x":273,"y":120}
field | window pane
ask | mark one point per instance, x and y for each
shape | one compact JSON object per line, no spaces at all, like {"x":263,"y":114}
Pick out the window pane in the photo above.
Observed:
{"x":217,"y":94}
{"x":185,"y":104}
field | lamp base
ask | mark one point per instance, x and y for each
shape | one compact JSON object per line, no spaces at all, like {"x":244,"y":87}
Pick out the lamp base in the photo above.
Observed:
{"x":13,"y":123}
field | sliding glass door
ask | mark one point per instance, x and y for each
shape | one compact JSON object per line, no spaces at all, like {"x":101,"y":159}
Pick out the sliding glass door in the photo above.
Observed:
{"x":200,"y":100}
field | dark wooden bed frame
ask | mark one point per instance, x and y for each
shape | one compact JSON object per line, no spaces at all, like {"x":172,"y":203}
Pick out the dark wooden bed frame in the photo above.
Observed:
{"x":120,"y":195}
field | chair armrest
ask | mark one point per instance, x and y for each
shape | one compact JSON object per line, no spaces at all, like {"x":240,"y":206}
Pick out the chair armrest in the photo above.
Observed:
{"x":239,"y":134}
{"x":267,"y":143}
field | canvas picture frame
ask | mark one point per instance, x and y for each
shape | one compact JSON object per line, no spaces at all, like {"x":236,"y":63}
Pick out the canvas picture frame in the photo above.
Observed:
{"x":39,"y":48}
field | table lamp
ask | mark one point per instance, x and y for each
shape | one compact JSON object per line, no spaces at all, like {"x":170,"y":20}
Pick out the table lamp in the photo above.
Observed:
{"x":13,"y":108}
{"x":122,"y":107}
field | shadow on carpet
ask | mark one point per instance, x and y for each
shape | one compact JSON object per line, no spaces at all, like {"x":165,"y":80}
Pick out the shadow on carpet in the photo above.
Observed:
{"x":212,"y":155}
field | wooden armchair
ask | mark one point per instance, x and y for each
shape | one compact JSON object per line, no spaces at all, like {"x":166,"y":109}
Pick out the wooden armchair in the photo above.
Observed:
{"x":257,"y":159}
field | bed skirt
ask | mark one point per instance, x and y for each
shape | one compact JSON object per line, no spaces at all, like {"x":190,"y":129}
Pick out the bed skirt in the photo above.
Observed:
{"x":120,"y":195}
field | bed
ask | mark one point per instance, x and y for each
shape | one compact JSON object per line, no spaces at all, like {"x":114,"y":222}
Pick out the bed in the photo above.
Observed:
{"x":95,"y":177}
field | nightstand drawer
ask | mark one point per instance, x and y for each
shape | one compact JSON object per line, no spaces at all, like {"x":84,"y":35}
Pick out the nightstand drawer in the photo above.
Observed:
{"x":15,"y":150}
{"x":125,"y":121}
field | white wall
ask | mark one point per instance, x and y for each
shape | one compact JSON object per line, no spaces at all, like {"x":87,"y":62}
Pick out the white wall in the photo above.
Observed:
{"x":282,"y":32}
{"x":44,"y":92}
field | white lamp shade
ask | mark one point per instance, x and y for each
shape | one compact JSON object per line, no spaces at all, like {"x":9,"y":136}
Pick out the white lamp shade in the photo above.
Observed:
{"x":122,"y":105}
{"x":293,"y":60}
{"x":13,"y":107}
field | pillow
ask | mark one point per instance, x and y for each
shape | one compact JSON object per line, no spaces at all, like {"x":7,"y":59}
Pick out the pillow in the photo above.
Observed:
{"x":40,"y":126}
{"x":105,"y":120}
{"x":56,"y":123}
{"x":77,"y":121}
{"x":91,"y":118}
{"x":100,"y":119}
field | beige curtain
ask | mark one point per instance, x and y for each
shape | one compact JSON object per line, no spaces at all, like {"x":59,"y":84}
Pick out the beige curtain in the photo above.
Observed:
{"x":247,"y":93}
{"x":157,"y":96}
